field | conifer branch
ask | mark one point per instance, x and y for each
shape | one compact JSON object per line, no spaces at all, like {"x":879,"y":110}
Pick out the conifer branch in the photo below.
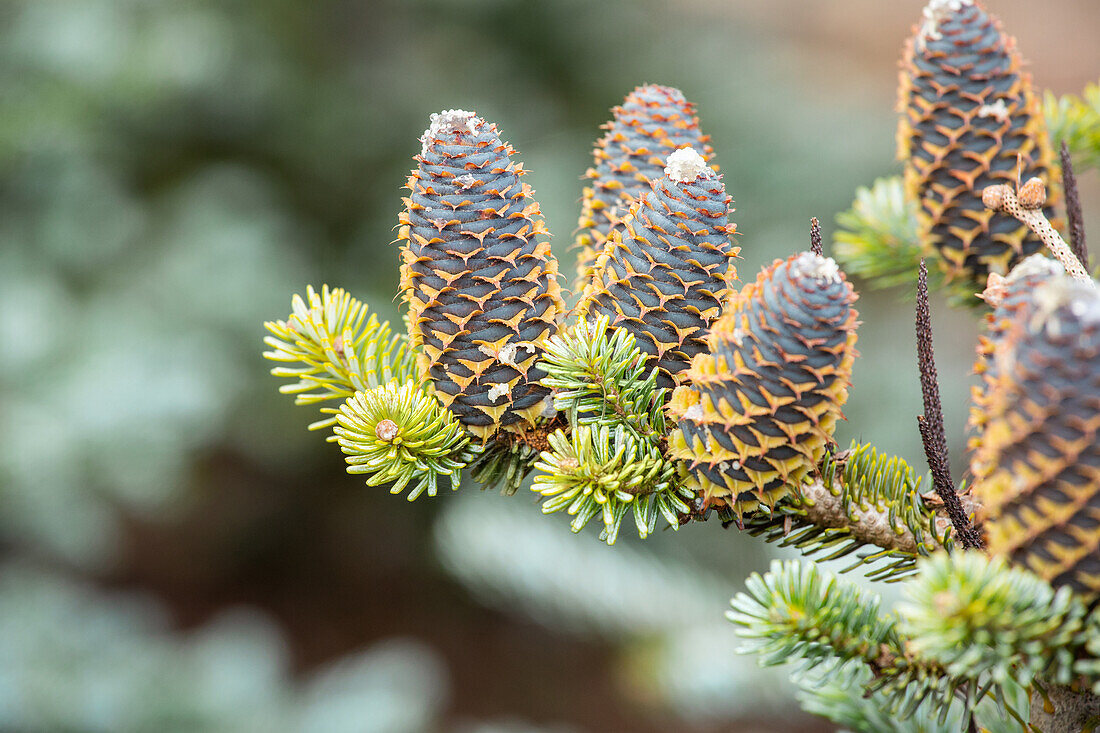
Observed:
{"x":977,"y":617}
{"x":603,"y":379}
{"x":1074,"y":214}
{"x":972,"y":630}
{"x":782,"y":616}
{"x":860,"y":502}
{"x":877,"y":237}
{"x":502,"y":462}
{"x":838,"y":692}
{"x":930,"y":423}
{"x":797,"y":613}
{"x":336,"y":348}
{"x":613,"y":458}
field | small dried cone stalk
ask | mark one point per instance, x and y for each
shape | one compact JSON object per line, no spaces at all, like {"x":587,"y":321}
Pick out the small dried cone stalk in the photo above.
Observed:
{"x":652,"y":122}
{"x":968,"y":117}
{"x":478,"y":275}
{"x":759,"y":409}
{"x":1013,"y":300}
{"x":1037,"y":472}
{"x":665,"y":275}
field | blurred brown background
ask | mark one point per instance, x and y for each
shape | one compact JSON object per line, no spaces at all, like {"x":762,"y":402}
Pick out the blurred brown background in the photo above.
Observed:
{"x":180,"y":554}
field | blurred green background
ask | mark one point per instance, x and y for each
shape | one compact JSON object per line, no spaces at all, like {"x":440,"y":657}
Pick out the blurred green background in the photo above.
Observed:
{"x":178,"y":554}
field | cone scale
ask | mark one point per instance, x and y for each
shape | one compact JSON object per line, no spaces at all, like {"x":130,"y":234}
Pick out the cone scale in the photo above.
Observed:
{"x":651,"y":123}
{"x":665,"y":275}
{"x":1037,"y":471}
{"x":969,"y":116}
{"x":478,"y":275}
{"x":759,"y":409}
{"x":1014,"y":302}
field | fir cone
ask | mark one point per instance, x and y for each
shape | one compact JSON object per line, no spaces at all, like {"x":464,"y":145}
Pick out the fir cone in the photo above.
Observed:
{"x":479,"y":278}
{"x":759,"y":409}
{"x":967,"y":113}
{"x":665,"y":275}
{"x":1037,"y":472}
{"x":1013,"y":300}
{"x":652,"y":122}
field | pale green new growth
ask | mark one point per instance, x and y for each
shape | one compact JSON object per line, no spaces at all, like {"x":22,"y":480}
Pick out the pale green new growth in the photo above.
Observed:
{"x":341,"y":353}
{"x":398,"y":433}
{"x":877,"y":238}
{"x":612,"y":459}
{"x":336,"y":348}
{"x":599,"y":471}
{"x":603,"y":379}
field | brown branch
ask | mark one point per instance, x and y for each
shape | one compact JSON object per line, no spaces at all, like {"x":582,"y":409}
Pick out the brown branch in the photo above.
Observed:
{"x":1073,"y":209}
{"x":815,"y":237}
{"x":535,"y":438}
{"x":930,"y":423}
{"x":1027,"y":208}
{"x":869,"y":524}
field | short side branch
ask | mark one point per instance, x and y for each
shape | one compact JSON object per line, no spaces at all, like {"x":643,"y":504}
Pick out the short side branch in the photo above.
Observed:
{"x":1027,"y":208}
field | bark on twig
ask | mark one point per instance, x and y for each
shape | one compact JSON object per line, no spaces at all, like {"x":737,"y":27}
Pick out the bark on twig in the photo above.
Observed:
{"x":873,"y":526}
{"x":1003,"y":198}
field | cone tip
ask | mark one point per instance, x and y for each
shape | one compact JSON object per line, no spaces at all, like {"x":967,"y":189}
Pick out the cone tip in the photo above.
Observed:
{"x":450,"y":121}
{"x":686,"y":165}
{"x":935,"y":13}
{"x":816,"y":266}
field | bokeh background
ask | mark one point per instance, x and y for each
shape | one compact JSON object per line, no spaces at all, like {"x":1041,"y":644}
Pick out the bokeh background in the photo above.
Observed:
{"x":178,"y":554}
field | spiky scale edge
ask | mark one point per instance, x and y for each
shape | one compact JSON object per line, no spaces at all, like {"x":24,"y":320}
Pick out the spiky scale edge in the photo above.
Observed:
{"x":652,"y":122}
{"x":1037,"y":471}
{"x":758,"y":411}
{"x":478,"y":275}
{"x":1012,"y":298}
